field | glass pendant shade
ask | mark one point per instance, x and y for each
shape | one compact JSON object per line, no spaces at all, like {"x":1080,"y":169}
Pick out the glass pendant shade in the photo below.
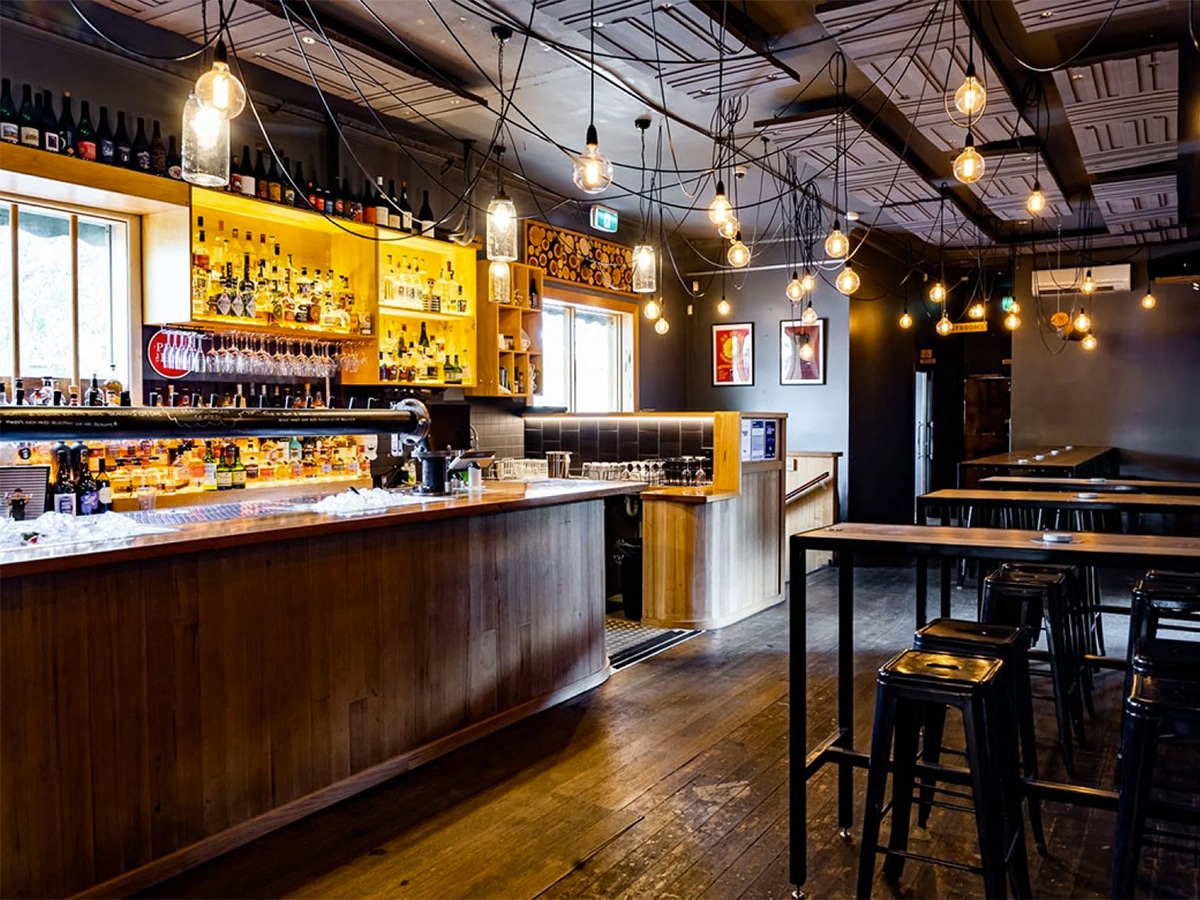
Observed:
{"x":906,"y":320}
{"x":944,"y":325}
{"x":971,"y":96}
{"x":1089,"y":283}
{"x":662,"y":326}
{"x":1015,"y":308}
{"x":729,"y":228}
{"x":738,"y":254}
{"x":219,"y":88}
{"x":937,"y":292}
{"x":809,"y":316}
{"x":724,"y":308}
{"x":1088,"y":342}
{"x":1012,"y":321}
{"x":1149,"y":302}
{"x":1036,"y":204}
{"x":501,"y":229}
{"x":1083,"y":321}
{"x":836,"y":245}
{"x":652,"y":309}
{"x":205,"y":145}
{"x":806,"y":351}
{"x":645,"y":270}
{"x":719,"y":210}
{"x":593,"y":170}
{"x":977,"y":310}
{"x":808,"y":283}
{"x":848,"y":281}
{"x":794,"y":289}
{"x":968,"y":165}
{"x":500,"y":282}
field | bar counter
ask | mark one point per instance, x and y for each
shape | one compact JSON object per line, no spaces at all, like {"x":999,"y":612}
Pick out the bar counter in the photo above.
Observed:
{"x":171,"y":698}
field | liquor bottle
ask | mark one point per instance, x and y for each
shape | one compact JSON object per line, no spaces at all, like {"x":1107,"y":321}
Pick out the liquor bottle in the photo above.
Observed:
{"x":274,"y":182}
{"x":49,"y":125}
{"x":122,"y":146}
{"x":339,"y":207}
{"x":63,"y":491}
{"x":246,"y":170}
{"x":105,"y":148}
{"x":300,"y":197}
{"x":348,"y":200}
{"x":312,"y":196}
{"x":287,"y":193}
{"x":94,"y":396}
{"x":382,"y":209}
{"x":394,"y":219}
{"x":225,"y":470}
{"x":238,"y":472}
{"x":28,"y":121}
{"x":174,"y":160}
{"x":10,"y":128}
{"x":103,"y":489}
{"x":423,"y":340}
{"x":85,"y":135}
{"x":235,"y":176}
{"x":68,"y":134}
{"x":158,"y":151}
{"x":141,"y":148}
{"x":406,"y":216}
{"x":262,"y":190}
{"x":425,"y":216}
{"x":87,"y":492}
{"x":365,"y":211}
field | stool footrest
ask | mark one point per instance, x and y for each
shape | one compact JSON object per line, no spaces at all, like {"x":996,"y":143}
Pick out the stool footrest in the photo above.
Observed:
{"x":934,"y":860}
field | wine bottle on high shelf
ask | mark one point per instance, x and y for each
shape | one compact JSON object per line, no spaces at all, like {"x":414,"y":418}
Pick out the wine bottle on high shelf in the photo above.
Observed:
{"x":274,"y":182}
{"x":10,"y":129}
{"x":262,"y":190}
{"x":335,"y":194}
{"x":158,"y":151}
{"x":394,"y":219}
{"x":406,"y":215}
{"x":174,"y":160}
{"x":85,"y":134}
{"x":30,"y":136}
{"x":49,"y":125}
{"x":366,"y":204}
{"x":246,"y":171}
{"x":425,"y":216}
{"x":349,"y":201}
{"x":141,"y":148}
{"x":68,"y":134}
{"x":316,"y":200}
{"x":382,"y":207}
{"x":94,"y":396}
{"x":106,"y":150}
{"x":122,"y":146}
{"x":287,"y":193}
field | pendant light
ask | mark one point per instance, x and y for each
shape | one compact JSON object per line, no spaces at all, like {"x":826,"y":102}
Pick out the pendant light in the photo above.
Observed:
{"x":906,"y":320}
{"x":971,"y":96}
{"x":205,"y":145}
{"x":719,"y":210}
{"x":501,"y":220}
{"x":652,"y":309}
{"x":1088,"y":342}
{"x":724,"y":307}
{"x":593,"y":170}
{"x":977,"y":310}
{"x":809,"y":316}
{"x":836,"y":245}
{"x":1089,"y":283}
{"x":808,"y":283}
{"x":500,"y":283}
{"x":1149,"y":301}
{"x":738,"y":253}
{"x":1083,"y":322}
{"x":795,"y":289}
{"x":662,"y":326}
{"x":729,"y":228}
{"x":968,"y":165}
{"x":848,"y":281}
{"x":219,"y":88}
{"x":944,"y":325}
{"x":1036,"y":204}
{"x":937,"y":292}
{"x":644,"y":270}
{"x":1012,"y":321}
{"x":806,"y":351}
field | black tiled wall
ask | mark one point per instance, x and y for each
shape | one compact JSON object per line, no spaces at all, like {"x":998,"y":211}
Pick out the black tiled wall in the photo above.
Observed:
{"x":618,"y":440}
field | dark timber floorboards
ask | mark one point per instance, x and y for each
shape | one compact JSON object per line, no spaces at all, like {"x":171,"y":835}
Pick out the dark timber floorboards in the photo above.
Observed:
{"x":671,"y":781}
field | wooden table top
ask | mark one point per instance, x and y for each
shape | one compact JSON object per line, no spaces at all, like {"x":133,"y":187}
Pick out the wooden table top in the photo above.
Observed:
{"x":1052,"y":456}
{"x":1060,"y":500}
{"x":499,"y":496}
{"x":944,"y":539}
{"x":1146,"y":486}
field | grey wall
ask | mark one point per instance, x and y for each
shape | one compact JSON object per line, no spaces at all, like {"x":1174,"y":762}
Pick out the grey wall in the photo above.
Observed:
{"x":1139,"y":390}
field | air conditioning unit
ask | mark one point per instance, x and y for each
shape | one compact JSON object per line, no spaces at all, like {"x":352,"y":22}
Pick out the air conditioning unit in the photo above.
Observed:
{"x":1068,"y":281}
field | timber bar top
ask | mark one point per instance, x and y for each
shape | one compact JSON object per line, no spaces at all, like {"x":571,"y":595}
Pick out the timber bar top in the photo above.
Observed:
{"x":499,"y":496}
{"x":1076,"y":456}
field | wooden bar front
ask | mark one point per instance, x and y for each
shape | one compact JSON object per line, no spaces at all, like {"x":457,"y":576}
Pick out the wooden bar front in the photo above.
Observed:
{"x":161,"y":711}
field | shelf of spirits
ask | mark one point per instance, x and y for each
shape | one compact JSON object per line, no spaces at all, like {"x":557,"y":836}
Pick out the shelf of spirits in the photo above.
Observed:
{"x":510,"y":331}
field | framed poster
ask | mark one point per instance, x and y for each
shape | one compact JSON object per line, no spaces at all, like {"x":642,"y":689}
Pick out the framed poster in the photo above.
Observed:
{"x":733,"y":353}
{"x":801,"y":352}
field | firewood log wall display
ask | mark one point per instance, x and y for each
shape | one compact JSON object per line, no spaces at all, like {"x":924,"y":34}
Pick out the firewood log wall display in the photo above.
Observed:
{"x":579,"y":258}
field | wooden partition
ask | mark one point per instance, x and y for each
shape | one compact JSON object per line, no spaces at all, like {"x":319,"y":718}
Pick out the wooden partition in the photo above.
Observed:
{"x":812,"y":499}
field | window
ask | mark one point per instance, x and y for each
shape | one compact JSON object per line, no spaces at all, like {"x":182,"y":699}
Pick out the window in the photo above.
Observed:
{"x":587,"y":358}
{"x":73,"y":294}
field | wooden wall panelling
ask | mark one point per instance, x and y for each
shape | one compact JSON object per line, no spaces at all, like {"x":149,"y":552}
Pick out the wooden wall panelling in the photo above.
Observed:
{"x":815,"y":508}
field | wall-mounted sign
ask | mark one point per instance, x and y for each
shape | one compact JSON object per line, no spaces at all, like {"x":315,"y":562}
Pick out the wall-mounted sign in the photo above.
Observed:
{"x":968,"y":327}
{"x":156,"y":349}
{"x":926,"y":357}
{"x":605,"y":219}
{"x":1006,"y":303}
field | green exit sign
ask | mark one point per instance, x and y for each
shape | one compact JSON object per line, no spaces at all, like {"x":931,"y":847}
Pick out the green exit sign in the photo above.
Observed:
{"x":605,"y":219}
{"x":1006,"y":303}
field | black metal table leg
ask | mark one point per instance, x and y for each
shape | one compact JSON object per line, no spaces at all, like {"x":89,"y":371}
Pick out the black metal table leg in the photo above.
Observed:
{"x":947,"y":565}
{"x":845,"y":663}
{"x":798,"y":715}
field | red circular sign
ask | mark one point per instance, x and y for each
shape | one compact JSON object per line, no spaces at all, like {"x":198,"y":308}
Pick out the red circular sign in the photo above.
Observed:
{"x":155,"y":350}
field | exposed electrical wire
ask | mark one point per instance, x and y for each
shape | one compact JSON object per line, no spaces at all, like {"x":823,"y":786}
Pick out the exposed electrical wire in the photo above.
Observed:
{"x":221,"y":27}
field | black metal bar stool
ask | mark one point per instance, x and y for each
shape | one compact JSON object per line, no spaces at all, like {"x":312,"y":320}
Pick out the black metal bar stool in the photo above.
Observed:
{"x":1156,"y":703}
{"x":908,"y":687}
{"x":1016,"y":597}
{"x":1158,"y":596}
{"x":1010,"y":645}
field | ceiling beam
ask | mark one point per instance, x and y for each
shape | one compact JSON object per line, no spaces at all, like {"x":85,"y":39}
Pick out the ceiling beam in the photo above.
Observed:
{"x":1189,"y":138}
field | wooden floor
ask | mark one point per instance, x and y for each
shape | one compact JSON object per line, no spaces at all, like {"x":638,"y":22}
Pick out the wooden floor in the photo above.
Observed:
{"x":668,"y":781}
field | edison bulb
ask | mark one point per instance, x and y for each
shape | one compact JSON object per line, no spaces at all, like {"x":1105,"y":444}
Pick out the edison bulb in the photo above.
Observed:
{"x":906,"y":321}
{"x":836,"y":245}
{"x":662,"y":326}
{"x":719,"y":210}
{"x":977,"y":310}
{"x":593,"y":170}
{"x":652,"y":309}
{"x":501,"y":238}
{"x":645,"y":270}
{"x":724,"y":308}
{"x":809,"y":316}
{"x":808,"y":283}
{"x":219,"y":88}
{"x":1015,"y":308}
{"x":739,"y":253}
{"x":794,"y":289}
{"x":1012,"y":321}
{"x":729,"y":228}
{"x":1082,"y":321}
{"x":1088,"y":342}
{"x":968,"y":165}
{"x":971,"y":96}
{"x":1089,"y":283}
{"x":944,"y":325}
{"x":806,"y":351}
{"x":937,"y":292}
{"x":848,"y":280}
{"x":1148,"y":302}
{"x":1036,"y":204}
{"x":205,"y":151}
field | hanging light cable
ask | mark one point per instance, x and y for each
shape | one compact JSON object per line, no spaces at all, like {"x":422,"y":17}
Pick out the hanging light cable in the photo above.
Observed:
{"x":593,"y":170}
{"x":971,"y":96}
{"x":836,"y":245}
{"x":937,"y":291}
{"x":501,"y":239}
{"x":645,"y":267}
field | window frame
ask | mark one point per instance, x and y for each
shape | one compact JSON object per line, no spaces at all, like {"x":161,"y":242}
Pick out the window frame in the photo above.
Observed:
{"x":557,"y":294}
{"x":132,"y":272}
